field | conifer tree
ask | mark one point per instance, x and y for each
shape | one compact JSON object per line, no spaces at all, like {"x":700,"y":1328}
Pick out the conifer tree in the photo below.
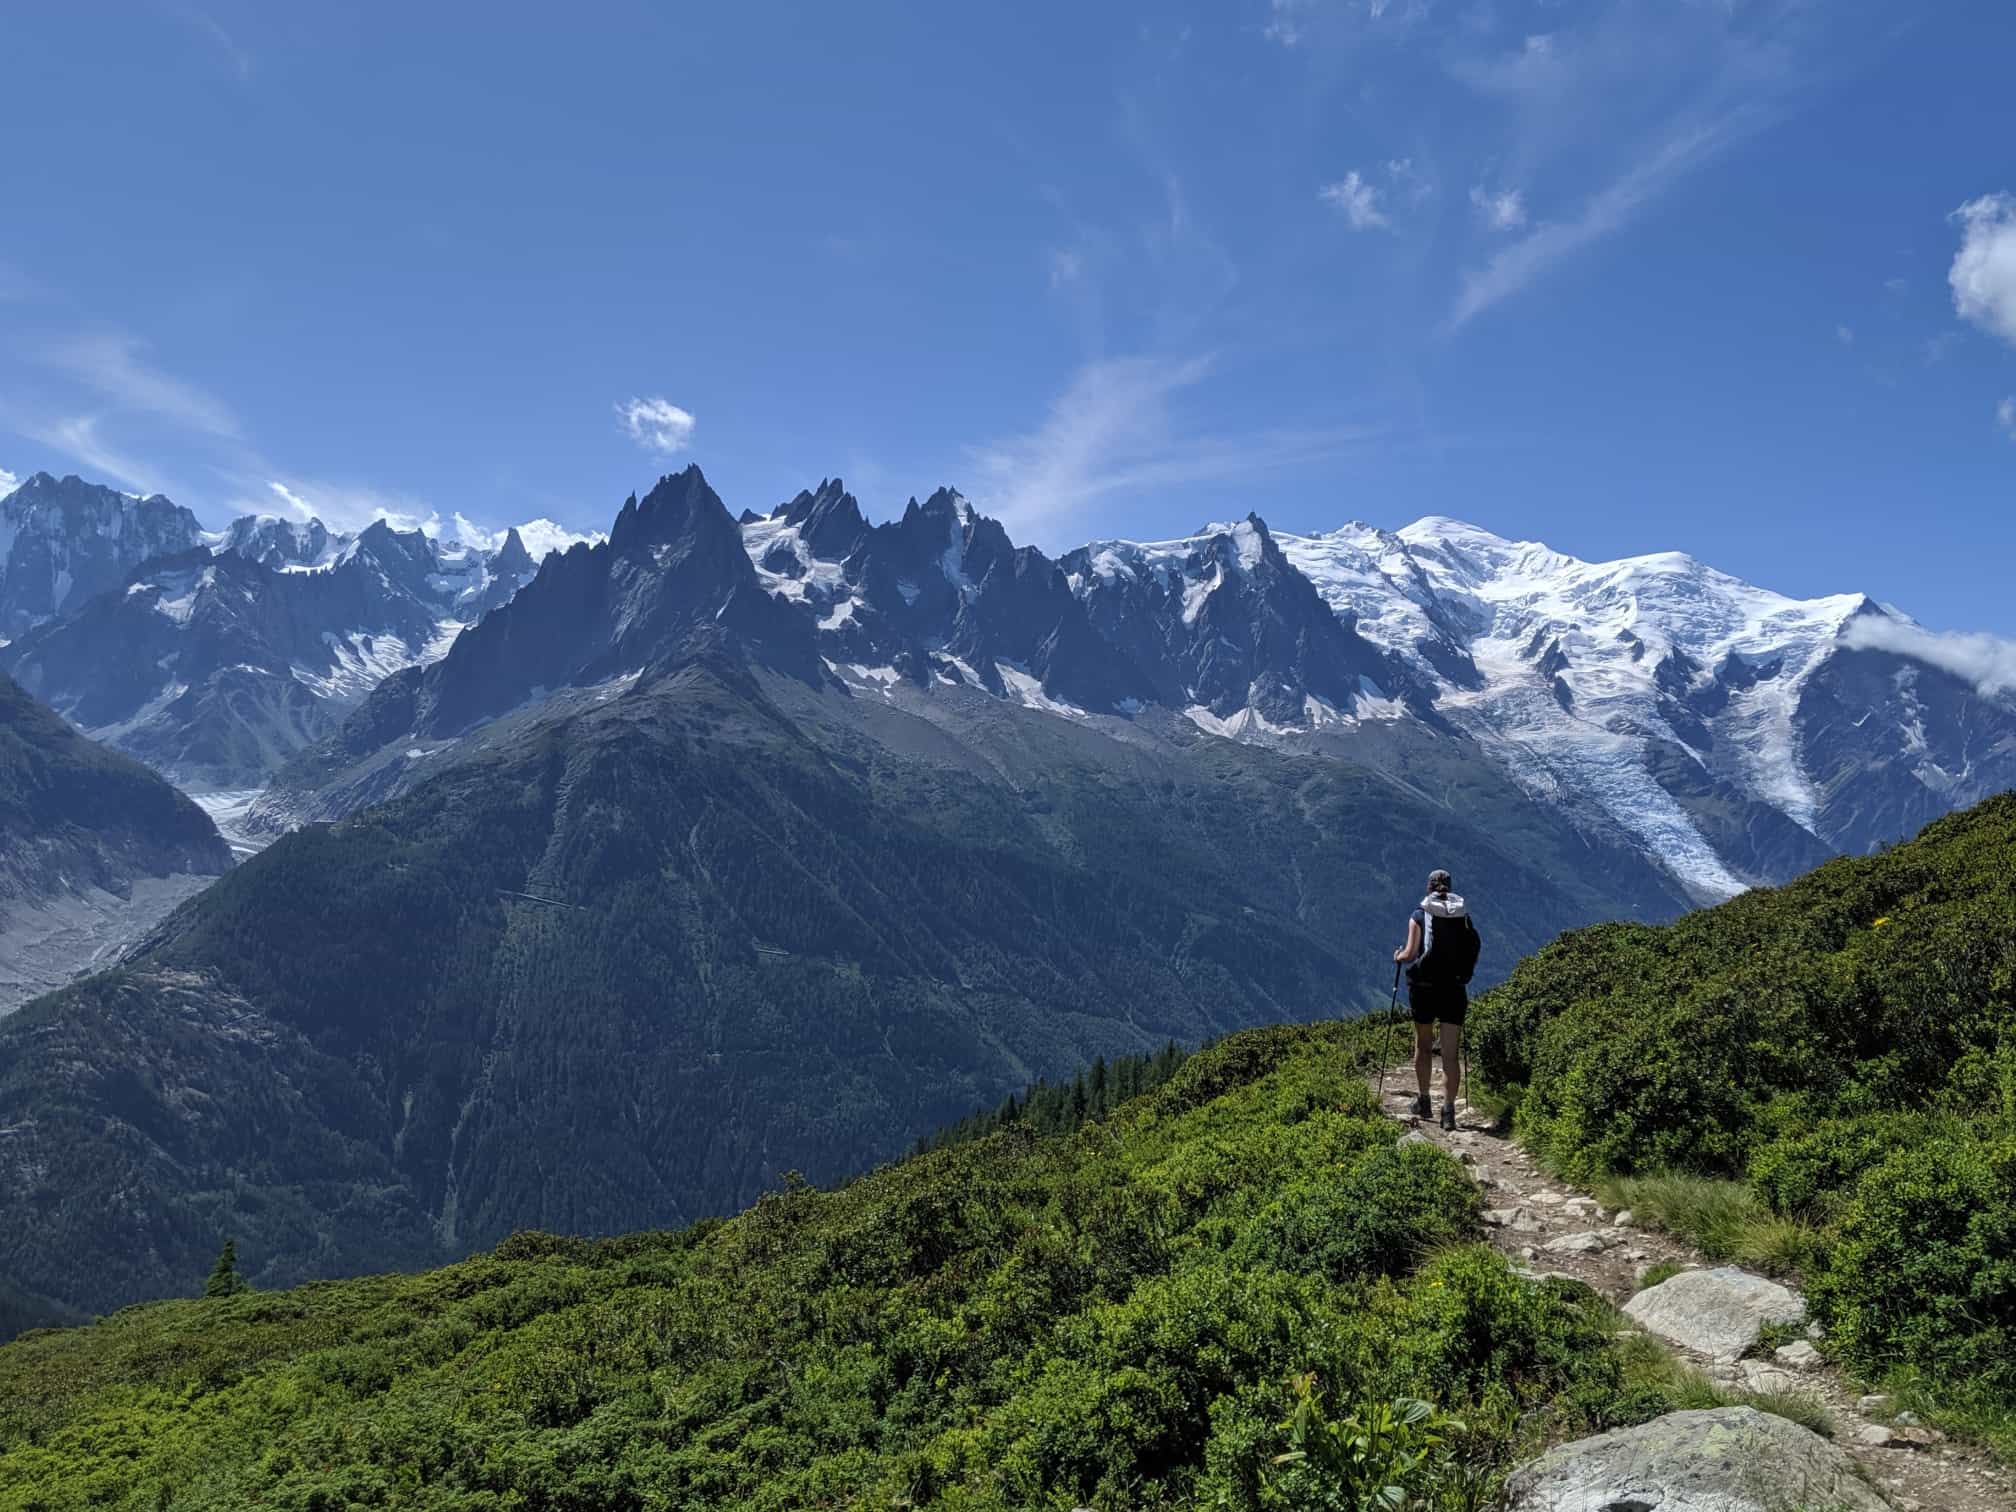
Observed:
{"x":224,"y":1278}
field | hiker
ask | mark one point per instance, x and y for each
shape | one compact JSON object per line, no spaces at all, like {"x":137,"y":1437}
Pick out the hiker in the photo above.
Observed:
{"x":1440,"y":955}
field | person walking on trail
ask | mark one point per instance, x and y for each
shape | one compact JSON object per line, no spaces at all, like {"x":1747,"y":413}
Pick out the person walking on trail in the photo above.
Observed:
{"x":1440,"y":956}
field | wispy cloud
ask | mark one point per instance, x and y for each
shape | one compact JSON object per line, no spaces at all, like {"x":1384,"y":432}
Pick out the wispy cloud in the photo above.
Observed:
{"x":656,"y":424}
{"x":1845,"y":334}
{"x":2005,"y":416}
{"x":1501,"y":210}
{"x":342,"y":506}
{"x":1115,"y":428}
{"x":1983,"y":660}
{"x":207,"y":25}
{"x":8,"y":482}
{"x":110,"y":363}
{"x":292,"y":502}
{"x":1066,"y":267}
{"x":77,"y":437}
{"x":1358,"y":199}
{"x":1607,"y":212}
{"x":1983,"y":275}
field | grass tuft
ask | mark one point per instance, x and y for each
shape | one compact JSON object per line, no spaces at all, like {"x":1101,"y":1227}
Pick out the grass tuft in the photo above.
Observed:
{"x":1665,"y":1270}
{"x":1650,"y":1365}
{"x":1724,"y":1219}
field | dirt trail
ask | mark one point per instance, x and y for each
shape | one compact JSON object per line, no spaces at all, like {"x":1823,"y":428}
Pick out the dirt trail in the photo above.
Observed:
{"x":1529,"y":1214}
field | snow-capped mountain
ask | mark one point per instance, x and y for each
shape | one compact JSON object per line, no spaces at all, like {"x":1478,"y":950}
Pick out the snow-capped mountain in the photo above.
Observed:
{"x":1735,"y":734}
{"x":220,"y":656}
{"x":63,"y":540}
{"x":1726,"y":733}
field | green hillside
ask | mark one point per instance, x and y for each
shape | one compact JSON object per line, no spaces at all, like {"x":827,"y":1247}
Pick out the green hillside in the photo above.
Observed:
{"x":1844,"y":1045}
{"x":785,"y":931}
{"x":1116,"y":1317}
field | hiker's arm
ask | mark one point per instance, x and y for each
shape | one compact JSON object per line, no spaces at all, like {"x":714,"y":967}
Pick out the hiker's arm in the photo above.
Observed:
{"x":1412,"y":948}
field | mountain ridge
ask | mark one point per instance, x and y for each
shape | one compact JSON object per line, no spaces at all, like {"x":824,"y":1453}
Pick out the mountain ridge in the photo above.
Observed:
{"x":1720,"y":728}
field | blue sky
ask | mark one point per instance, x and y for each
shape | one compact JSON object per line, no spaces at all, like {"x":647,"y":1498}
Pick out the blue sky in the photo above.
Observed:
{"x":1728,"y":276}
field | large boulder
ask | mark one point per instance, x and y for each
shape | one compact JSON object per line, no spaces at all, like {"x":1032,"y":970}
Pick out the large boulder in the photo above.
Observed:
{"x":1729,"y":1459}
{"x":1719,"y":1313}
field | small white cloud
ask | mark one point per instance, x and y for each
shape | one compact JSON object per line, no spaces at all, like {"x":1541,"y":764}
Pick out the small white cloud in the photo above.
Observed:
{"x":656,"y":424}
{"x":1845,"y":335}
{"x":8,"y":482}
{"x":1502,"y":211}
{"x":1983,"y":275}
{"x":1938,"y":347}
{"x":1984,"y":660}
{"x":2005,"y":416}
{"x":1066,"y":267}
{"x":1357,"y":199}
{"x":1896,"y":285}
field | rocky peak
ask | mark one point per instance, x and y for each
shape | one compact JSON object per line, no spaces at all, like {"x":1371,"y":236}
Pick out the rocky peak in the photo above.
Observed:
{"x":512,"y":559}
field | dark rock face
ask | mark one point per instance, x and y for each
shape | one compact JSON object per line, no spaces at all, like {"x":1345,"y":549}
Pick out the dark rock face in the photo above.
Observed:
{"x":1893,"y":743}
{"x":1231,"y":625}
{"x":62,"y":540}
{"x":73,"y":814}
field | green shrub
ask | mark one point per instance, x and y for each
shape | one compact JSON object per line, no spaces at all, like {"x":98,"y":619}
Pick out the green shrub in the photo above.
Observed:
{"x":1810,"y":1172}
{"x":1377,"y":1216}
{"x":1924,"y":1271}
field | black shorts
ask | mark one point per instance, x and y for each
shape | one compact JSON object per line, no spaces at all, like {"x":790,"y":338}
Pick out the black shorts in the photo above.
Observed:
{"x":1447,"y":1001}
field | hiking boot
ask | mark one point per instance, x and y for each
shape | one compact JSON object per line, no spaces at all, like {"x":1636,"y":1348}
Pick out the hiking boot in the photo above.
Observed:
{"x":1423,"y":1108}
{"x":1449,"y":1116}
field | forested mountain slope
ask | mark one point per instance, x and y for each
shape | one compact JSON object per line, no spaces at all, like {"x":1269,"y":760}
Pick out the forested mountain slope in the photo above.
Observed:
{"x":785,"y":930}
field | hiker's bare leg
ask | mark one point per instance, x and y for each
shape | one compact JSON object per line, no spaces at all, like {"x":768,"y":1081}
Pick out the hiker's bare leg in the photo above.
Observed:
{"x":1424,"y":1051}
{"x":1452,"y":1063}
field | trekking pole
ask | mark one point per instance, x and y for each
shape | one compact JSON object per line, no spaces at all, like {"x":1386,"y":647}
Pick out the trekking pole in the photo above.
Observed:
{"x":1392,"y":1022}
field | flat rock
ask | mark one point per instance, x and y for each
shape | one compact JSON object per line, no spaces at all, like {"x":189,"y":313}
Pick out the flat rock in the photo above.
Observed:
{"x":1547,"y":1199}
{"x":1727,"y":1459}
{"x":1768,"y":1379}
{"x":1798,"y":1355}
{"x":1578,"y":1244}
{"x":1625,"y":1218}
{"x":1415,"y":1136}
{"x":1719,"y":1313}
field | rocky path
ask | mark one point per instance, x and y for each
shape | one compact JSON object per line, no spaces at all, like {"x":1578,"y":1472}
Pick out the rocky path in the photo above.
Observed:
{"x":1552,"y":1229}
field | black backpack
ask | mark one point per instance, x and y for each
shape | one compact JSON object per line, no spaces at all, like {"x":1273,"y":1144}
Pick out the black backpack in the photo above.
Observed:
{"x":1449,"y":951}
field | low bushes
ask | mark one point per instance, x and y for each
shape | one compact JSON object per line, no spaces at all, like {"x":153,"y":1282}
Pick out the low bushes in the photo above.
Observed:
{"x":1820,"y":1078}
{"x":1112,"y":1317}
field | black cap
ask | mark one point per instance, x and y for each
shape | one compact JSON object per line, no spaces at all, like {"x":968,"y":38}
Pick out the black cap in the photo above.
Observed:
{"x":1438,"y":878}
